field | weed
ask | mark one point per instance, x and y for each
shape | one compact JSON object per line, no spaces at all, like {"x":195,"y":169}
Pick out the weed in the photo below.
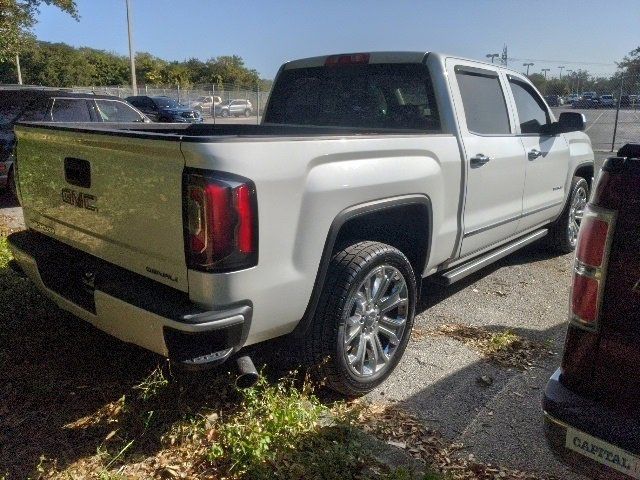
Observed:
{"x":272,"y":418}
{"x":152,"y":385}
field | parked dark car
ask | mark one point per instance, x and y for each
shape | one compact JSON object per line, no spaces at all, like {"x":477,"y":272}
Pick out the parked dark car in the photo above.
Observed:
{"x":554,"y":100}
{"x":592,"y":402}
{"x":53,"y":105}
{"x":165,"y":109}
{"x":587,"y":102}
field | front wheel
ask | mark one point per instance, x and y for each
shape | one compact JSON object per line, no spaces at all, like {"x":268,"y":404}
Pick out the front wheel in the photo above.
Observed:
{"x":563,"y":234}
{"x":247,"y":113}
{"x":364,"y":317}
{"x":225,"y":113}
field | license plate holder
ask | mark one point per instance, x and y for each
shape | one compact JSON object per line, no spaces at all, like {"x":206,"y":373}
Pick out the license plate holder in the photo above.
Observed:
{"x":603,"y":452}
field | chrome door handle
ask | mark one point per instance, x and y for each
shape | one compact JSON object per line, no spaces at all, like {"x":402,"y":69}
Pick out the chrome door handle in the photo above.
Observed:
{"x":534,"y":153}
{"x":479,"y":160}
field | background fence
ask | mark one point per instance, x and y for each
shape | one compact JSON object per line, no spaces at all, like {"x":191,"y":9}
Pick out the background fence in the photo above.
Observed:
{"x":190,"y":96}
{"x":613,"y":116}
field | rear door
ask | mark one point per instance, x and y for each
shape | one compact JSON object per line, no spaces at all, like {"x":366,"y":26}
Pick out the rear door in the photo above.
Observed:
{"x":494,"y":155}
{"x":547,"y":163}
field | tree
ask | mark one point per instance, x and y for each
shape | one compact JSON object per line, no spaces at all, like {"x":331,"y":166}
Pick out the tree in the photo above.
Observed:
{"x":631,"y":63}
{"x":17,"y":18}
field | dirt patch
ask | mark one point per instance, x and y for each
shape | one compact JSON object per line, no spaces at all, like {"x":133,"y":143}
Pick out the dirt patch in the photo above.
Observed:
{"x":503,"y":348}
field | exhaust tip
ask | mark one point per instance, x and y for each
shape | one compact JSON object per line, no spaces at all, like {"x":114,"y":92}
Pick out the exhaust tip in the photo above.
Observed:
{"x":248,"y":375}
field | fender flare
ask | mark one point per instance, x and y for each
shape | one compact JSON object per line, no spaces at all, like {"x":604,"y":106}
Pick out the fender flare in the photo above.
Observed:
{"x":338,"y":222}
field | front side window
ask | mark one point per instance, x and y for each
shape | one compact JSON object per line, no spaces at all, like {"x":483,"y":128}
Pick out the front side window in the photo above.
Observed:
{"x":532,"y":113}
{"x":164,"y":102}
{"x":484,"y":105}
{"x":114,"y":111}
{"x":380,"y":96}
{"x":70,"y":110}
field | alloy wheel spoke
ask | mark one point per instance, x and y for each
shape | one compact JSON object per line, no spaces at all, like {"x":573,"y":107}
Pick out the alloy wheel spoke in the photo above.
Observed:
{"x":357,"y":330}
{"x":392,"y":322}
{"x":380,"y":350}
{"x":374,"y":353}
{"x":383,"y":285}
{"x":358,"y":358}
{"x":391,"y":302}
{"x":393,"y":338}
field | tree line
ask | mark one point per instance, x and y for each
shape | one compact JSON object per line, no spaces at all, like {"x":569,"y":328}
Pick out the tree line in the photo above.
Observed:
{"x":627,"y":77}
{"x":61,"y":65}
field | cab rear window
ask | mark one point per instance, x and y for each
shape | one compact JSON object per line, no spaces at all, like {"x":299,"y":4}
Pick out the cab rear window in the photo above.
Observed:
{"x":379,"y":96}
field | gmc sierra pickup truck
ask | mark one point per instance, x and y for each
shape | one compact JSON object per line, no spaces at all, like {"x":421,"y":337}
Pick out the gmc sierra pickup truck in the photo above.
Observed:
{"x":369,"y":173}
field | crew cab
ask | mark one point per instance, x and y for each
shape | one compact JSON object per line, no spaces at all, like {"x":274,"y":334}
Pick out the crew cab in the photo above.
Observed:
{"x":591,"y":402}
{"x":370,"y":176}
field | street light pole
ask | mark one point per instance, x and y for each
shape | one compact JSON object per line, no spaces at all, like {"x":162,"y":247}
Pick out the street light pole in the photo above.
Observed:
{"x":492,"y":56}
{"x":545,"y":70}
{"x":527,"y":65}
{"x":134,"y":84}
{"x":18,"y":68}
{"x":570,"y":73}
{"x":561,"y":67}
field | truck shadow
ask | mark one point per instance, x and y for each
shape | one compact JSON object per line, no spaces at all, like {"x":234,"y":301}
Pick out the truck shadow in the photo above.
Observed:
{"x":66,"y":387}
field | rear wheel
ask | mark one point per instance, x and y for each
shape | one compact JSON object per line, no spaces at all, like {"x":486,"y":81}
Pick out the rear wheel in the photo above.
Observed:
{"x":563,"y":234}
{"x":225,"y":113}
{"x":364,"y":318}
{"x":247,"y":113}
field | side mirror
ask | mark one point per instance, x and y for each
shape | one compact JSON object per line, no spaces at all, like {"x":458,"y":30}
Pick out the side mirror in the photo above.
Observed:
{"x":571,"y":122}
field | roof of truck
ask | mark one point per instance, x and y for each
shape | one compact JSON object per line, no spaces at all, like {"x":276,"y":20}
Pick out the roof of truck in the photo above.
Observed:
{"x":386,"y":57}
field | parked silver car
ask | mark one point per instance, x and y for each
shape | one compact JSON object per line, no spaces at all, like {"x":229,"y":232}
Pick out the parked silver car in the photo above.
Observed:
{"x":235,"y":108}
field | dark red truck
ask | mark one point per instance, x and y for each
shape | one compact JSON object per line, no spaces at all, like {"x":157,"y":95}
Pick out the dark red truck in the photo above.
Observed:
{"x":592,"y":402}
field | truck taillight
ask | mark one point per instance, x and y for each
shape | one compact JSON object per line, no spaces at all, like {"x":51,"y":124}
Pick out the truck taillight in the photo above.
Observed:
{"x":221,"y":223}
{"x":347,"y":59}
{"x":589,"y":270}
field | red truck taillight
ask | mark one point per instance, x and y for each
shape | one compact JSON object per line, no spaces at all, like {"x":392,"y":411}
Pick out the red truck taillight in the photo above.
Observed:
{"x":592,"y":251}
{"x":221,"y":222}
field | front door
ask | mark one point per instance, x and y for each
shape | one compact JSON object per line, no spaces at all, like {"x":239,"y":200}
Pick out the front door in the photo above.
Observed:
{"x":547,"y":163}
{"x":494,"y":156}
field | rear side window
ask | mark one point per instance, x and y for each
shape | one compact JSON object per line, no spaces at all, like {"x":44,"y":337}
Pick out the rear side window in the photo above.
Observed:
{"x":483,"y":99}
{"x":532,"y":113}
{"x":70,"y":110}
{"x":114,"y":111}
{"x":380,"y":96}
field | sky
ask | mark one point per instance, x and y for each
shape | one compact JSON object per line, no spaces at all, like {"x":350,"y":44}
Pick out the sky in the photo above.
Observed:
{"x":587,"y":34}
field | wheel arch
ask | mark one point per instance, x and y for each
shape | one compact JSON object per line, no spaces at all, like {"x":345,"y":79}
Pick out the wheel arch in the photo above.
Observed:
{"x":371,"y":221}
{"x":586,"y":171}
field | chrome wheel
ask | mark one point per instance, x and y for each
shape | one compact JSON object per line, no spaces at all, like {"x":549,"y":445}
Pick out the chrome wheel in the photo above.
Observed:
{"x":376,"y":317}
{"x":576,"y":212}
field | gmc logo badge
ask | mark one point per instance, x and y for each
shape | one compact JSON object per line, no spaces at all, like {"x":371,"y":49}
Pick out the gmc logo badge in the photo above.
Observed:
{"x":79,"y":199}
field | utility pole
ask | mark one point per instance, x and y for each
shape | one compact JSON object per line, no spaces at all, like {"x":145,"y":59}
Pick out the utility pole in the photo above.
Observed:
{"x":134,"y":84}
{"x":528,"y":65}
{"x":561,"y":67}
{"x":492,"y":56}
{"x":545,"y":70}
{"x":19,"y":71}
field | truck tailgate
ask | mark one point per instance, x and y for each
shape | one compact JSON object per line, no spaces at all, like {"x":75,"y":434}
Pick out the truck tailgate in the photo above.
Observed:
{"x":116,"y":197}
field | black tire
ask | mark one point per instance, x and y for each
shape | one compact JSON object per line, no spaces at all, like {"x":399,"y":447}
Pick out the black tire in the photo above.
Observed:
{"x":560,"y":238}
{"x":247,"y":113}
{"x":224,"y":113}
{"x":325,"y":348}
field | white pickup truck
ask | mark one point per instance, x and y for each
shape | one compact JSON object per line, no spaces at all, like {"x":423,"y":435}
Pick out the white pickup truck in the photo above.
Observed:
{"x":371,"y":175}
